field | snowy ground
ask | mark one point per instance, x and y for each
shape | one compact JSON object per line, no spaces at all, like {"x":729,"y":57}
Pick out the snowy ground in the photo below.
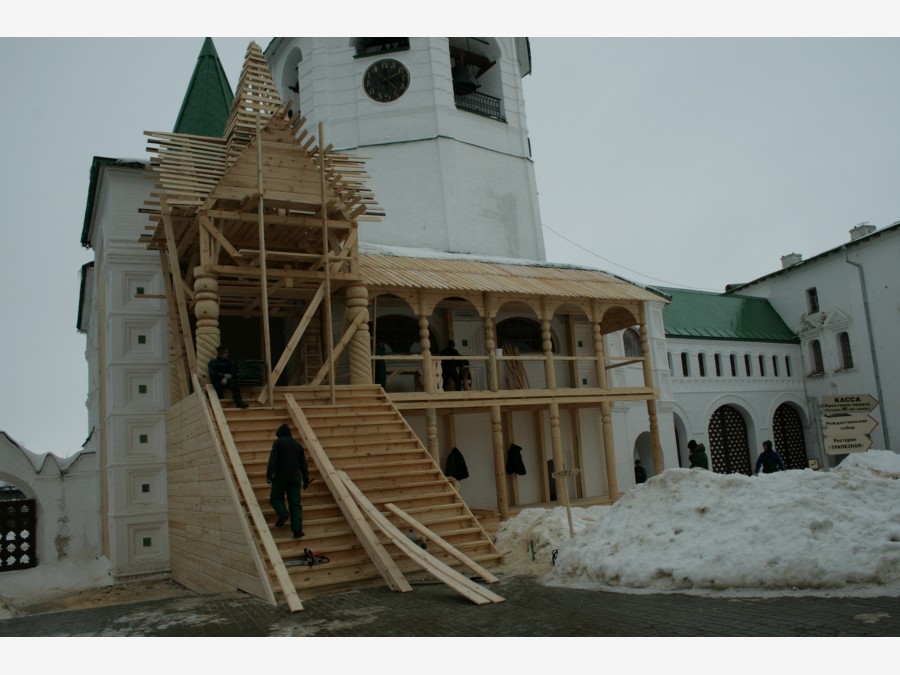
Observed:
{"x":794,"y":532}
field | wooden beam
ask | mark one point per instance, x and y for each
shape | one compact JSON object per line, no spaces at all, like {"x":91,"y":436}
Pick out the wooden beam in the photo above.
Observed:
{"x":219,"y":237}
{"x":377,"y":553}
{"x":295,"y":340}
{"x":335,"y":352}
{"x":177,"y":282}
{"x":444,"y":545}
{"x":462,"y":585}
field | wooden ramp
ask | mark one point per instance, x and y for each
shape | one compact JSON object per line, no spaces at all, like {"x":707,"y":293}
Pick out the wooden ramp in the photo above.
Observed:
{"x":376,"y":469}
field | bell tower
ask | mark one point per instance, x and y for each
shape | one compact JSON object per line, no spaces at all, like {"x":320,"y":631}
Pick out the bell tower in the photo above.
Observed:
{"x":442,"y":121}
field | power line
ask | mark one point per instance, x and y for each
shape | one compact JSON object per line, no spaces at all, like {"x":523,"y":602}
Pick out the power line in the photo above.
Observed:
{"x":612,"y":262}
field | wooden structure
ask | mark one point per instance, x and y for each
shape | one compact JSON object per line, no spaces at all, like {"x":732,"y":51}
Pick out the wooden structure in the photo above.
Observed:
{"x":259,"y":228}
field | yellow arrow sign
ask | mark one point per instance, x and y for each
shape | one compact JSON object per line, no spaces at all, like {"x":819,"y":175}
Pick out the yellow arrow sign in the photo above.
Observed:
{"x":847,"y":403}
{"x":848,"y":425}
{"x":841,"y":445}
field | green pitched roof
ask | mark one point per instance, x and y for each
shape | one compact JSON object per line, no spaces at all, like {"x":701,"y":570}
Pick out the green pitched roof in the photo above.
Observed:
{"x":712,"y":316}
{"x":207,"y":101}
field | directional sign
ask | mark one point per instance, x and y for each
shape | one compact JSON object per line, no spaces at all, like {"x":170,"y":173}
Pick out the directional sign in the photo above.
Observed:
{"x":848,"y":425}
{"x":847,"y":403}
{"x":842,"y":445}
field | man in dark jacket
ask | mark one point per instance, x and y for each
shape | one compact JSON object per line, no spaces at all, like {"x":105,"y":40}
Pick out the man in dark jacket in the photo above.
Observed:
{"x":222,"y":373}
{"x":286,"y":470}
{"x":697,"y":454}
{"x":640,"y":473}
{"x":769,"y":461}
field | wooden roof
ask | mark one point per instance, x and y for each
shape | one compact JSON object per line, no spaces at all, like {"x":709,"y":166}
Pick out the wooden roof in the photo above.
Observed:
{"x":508,"y":278}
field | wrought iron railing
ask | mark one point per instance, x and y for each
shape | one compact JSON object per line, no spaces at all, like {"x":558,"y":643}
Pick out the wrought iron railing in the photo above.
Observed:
{"x":18,"y":519}
{"x":476,"y":102}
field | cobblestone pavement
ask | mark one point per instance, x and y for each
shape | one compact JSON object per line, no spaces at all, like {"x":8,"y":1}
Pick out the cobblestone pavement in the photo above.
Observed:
{"x":434,"y":610}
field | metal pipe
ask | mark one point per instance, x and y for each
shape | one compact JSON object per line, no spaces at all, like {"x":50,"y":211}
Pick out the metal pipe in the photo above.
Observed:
{"x":865,"y":295}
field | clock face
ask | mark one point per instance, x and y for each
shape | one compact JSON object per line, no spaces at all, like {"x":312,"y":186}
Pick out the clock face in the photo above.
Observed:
{"x":386,"y":80}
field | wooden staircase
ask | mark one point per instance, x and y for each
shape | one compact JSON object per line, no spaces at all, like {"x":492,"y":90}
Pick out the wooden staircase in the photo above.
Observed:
{"x":365,"y":437}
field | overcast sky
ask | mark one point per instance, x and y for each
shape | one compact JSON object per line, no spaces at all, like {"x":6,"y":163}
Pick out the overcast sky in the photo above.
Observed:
{"x":691,"y":162}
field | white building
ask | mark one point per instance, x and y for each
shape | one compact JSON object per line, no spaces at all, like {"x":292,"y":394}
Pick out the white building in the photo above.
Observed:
{"x":844,"y":305}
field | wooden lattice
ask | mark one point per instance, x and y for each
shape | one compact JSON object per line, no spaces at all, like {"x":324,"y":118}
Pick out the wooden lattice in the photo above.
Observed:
{"x":17,"y":533}
{"x":788,"y":437}
{"x":728,"y":447}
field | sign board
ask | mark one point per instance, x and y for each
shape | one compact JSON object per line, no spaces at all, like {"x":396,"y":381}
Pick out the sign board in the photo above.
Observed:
{"x":847,"y":403}
{"x":848,"y":425}
{"x":843,"y":445}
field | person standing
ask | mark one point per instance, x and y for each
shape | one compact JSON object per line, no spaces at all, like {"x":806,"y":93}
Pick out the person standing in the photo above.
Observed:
{"x":640,"y":473}
{"x":222,"y":373}
{"x":286,"y":471}
{"x":769,"y":461}
{"x":450,"y":368}
{"x":697,"y":455}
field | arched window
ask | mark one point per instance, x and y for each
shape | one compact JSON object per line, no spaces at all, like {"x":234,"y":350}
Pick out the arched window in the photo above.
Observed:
{"x":762,"y":365}
{"x":787,"y":366}
{"x":748,"y":365}
{"x":632,"y":340}
{"x":718,"y":360}
{"x":685,"y":364}
{"x":734,"y":366}
{"x":774,"y":365}
{"x":701,"y":362}
{"x":815,"y":353}
{"x":846,"y":354}
{"x":671,"y":364}
{"x":522,"y":334}
{"x":477,"y":84}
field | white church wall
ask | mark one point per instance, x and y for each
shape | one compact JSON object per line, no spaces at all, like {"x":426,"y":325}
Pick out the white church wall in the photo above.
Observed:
{"x":842,"y":309}
{"x":67,"y":493}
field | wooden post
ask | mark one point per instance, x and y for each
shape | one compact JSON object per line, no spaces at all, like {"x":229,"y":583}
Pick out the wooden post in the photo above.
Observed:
{"x":542,"y":454}
{"x":427,"y":367}
{"x":326,"y":260}
{"x":499,"y":464}
{"x":360,"y":347}
{"x":547,"y":344}
{"x":560,"y":473}
{"x":431,"y":426}
{"x":651,"y":403}
{"x":609,"y":453}
{"x":263,"y":277}
{"x":490,"y":345}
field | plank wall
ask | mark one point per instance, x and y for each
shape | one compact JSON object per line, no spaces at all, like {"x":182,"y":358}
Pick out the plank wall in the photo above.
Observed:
{"x":209,"y":549}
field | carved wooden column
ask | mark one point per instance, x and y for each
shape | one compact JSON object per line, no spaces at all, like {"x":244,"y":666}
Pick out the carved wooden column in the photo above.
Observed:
{"x":206,"y":309}
{"x":431,"y":431}
{"x":360,"y":347}
{"x":609,"y":451}
{"x":490,"y":346}
{"x":651,"y":403}
{"x":499,"y":463}
{"x":427,"y":363}
{"x":547,"y":344}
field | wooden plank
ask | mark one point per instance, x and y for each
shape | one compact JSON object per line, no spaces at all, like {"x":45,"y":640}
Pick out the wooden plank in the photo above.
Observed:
{"x":263,"y":533}
{"x":449,"y":548}
{"x":465,"y":587}
{"x":177,"y":281}
{"x":367,"y":538}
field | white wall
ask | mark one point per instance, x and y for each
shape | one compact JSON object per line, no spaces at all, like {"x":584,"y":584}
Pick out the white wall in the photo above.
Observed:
{"x":67,"y":492}
{"x":842,"y":309}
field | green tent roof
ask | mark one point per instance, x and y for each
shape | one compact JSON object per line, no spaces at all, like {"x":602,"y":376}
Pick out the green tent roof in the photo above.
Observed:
{"x":712,"y":316}
{"x":207,"y":101}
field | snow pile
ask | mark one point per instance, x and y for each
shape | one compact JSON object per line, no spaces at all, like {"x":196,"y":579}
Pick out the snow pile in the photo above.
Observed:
{"x":697,"y":530}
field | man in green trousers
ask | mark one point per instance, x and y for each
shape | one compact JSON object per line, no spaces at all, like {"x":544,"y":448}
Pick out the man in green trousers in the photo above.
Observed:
{"x":286,"y":470}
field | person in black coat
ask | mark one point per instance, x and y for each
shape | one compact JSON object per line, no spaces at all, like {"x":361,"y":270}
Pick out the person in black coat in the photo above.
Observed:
{"x":286,"y":470}
{"x":222,"y":373}
{"x":640,"y":473}
{"x":450,"y":369}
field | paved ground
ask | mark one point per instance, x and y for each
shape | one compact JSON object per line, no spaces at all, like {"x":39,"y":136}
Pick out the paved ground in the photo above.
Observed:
{"x":433,"y":610}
